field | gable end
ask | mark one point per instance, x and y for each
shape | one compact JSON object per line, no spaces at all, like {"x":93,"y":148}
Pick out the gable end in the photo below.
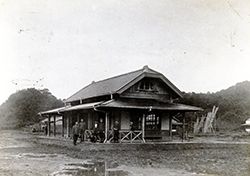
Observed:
{"x":150,"y":86}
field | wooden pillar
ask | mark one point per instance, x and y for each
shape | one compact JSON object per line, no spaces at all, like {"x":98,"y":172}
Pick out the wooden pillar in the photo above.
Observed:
{"x":90,"y":121}
{"x":170,"y":126}
{"x":68,"y":130}
{"x":183,"y":125}
{"x":69,"y":123}
{"x":78,"y":117}
{"x":54,"y":125}
{"x":48,"y":134}
{"x":63,"y":126}
{"x":106,"y":128}
{"x":143,"y":127}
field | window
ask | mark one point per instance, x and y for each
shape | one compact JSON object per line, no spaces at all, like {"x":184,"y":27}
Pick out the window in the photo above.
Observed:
{"x":152,"y":122}
{"x":146,"y":85}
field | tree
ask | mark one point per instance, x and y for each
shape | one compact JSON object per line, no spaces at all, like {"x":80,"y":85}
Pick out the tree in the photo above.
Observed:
{"x":22,"y":107}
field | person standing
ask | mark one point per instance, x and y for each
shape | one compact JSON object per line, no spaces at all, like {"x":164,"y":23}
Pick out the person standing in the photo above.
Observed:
{"x":101,"y":131}
{"x":132,"y":126}
{"x":75,"y":132}
{"x":95,"y":129}
{"x":82,"y":127}
{"x":116,"y":129}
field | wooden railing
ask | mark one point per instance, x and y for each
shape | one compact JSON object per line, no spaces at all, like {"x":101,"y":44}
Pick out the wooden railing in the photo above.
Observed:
{"x":127,"y":135}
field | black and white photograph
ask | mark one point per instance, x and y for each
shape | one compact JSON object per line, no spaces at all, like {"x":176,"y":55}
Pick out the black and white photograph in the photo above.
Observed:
{"x":125,"y":88}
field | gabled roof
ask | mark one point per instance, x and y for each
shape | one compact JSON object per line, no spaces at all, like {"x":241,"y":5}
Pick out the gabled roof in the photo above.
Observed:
{"x":118,"y":84}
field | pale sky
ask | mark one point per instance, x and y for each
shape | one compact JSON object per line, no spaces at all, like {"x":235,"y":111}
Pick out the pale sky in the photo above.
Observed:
{"x":64,"y":45}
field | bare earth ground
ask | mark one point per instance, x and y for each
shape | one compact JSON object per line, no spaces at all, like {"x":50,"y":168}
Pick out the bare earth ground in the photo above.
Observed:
{"x":24,"y":153}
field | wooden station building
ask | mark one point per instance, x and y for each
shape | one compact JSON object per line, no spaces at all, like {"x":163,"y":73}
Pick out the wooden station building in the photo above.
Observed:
{"x":144,"y":97}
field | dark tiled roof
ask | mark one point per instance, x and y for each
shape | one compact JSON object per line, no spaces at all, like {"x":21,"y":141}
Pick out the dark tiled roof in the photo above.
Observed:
{"x":111,"y":85}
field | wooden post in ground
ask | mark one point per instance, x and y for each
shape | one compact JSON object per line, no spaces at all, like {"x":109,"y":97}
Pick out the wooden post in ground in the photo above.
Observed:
{"x":54,"y":125}
{"x":63,"y":126}
{"x":143,"y":128}
{"x":170,"y":126}
{"x":48,"y":134}
{"x":183,"y":125}
{"x":106,"y":128}
{"x":70,"y":124}
{"x":68,"y":130}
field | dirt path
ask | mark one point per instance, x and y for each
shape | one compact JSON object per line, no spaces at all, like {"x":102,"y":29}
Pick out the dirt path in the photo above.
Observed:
{"x":18,"y":156}
{"x":22,"y":153}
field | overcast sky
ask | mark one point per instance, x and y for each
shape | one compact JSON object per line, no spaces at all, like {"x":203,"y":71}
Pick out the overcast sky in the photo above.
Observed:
{"x":64,"y":45}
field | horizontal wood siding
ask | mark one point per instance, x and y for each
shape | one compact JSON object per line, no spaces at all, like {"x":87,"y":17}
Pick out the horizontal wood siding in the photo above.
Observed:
{"x":146,"y":95}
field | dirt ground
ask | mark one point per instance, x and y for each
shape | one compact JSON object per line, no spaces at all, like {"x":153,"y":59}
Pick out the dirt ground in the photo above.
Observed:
{"x":25,"y":153}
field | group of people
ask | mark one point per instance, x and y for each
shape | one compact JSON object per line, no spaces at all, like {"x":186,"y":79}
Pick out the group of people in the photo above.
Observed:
{"x":98,"y":131}
{"x":78,"y":130}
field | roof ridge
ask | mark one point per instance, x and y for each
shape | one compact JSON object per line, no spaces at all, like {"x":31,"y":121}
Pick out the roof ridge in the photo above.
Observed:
{"x":145,"y":68}
{"x":116,"y":76}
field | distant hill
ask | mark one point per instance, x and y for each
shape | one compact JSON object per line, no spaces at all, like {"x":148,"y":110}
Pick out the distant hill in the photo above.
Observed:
{"x":22,"y":107}
{"x":233,"y":103}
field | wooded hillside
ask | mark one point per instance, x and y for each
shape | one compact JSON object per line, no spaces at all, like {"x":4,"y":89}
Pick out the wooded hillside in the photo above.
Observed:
{"x":233,"y":103}
{"x":22,"y":107}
